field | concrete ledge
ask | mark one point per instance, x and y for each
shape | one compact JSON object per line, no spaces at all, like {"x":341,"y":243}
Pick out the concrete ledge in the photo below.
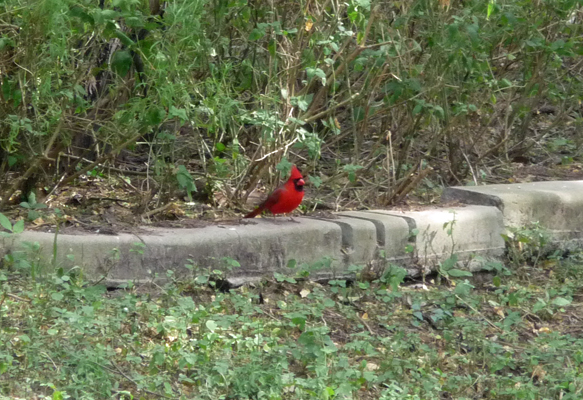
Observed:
{"x":265,"y":246}
{"x":558,"y":206}
{"x":261,"y":248}
{"x":465,"y":231}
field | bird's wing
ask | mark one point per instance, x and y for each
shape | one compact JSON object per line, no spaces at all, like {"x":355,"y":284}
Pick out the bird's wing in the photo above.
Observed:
{"x":272,"y":199}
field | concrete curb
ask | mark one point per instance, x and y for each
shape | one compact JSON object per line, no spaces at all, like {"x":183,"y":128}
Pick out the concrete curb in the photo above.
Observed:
{"x":557,"y":206}
{"x":417,"y":240}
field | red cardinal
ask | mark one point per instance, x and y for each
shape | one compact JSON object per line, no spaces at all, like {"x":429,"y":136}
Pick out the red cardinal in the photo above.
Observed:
{"x":285,"y":198}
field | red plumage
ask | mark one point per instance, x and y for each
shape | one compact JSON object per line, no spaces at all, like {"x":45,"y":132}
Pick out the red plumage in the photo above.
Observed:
{"x":285,"y":198}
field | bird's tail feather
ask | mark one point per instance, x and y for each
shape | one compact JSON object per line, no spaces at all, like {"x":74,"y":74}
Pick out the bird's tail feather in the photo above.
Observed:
{"x":254,"y":213}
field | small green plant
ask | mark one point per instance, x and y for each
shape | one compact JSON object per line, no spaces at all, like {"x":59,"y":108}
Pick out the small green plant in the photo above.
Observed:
{"x":139,"y":248}
{"x":33,"y":207}
{"x":279,"y":277}
{"x":393,"y":276}
{"x":448,"y":271}
{"x":209,"y":275}
{"x":449,"y":228}
{"x":15,"y":229}
{"x":526,"y":246}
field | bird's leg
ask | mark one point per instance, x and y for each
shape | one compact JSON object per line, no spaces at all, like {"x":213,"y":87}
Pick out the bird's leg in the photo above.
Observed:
{"x":291,"y":218}
{"x":273,"y":218}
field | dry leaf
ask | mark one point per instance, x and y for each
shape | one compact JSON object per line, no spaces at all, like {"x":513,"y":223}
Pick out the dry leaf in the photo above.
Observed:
{"x":371,"y":366}
{"x":309,"y":25}
{"x":304,"y":293}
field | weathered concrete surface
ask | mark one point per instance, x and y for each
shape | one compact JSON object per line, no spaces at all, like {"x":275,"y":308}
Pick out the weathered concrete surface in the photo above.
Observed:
{"x":476,"y":230}
{"x":264,"y":246}
{"x":359,"y":239}
{"x":261,"y":248}
{"x":392,"y":233}
{"x":558,"y":206}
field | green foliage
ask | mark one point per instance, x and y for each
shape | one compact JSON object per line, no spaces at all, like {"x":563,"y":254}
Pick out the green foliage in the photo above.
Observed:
{"x":232,"y":83}
{"x":61,"y":337}
{"x":5,"y":223}
{"x":32,"y":206}
{"x":527,"y":245}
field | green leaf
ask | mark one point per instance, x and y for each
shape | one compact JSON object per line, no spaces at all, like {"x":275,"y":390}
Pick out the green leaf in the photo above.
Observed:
{"x":418,"y":108}
{"x":463,"y":289}
{"x":561,"y":301}
{"x":329,"y":303}
{"x":32,"y":199}
{"x":24,"y":338}
{"x":284,"y":166}
{"x":6,"y":42}
{"x":256,"y":34}
{"x":300,"y":322}
{"x":57,"y":296}
{"x":18,"y":226}
{"x":5,"y":222}
{"x":458,"y":272}
{"x":178,"y":112}
{"x":211,"y":325}
{"x":315,"y":180}
{"x":316,"y":72}
{"x":539,"y":305}
{"x":220,"y":147}
{"x":491,"y":5}
{"x":109,"y":14}
{"x":496,"y":281}
{"x":439,"y":111}
{"x":121,"y":62}
{"x":185,"y":181}
{"x":449,"y":263}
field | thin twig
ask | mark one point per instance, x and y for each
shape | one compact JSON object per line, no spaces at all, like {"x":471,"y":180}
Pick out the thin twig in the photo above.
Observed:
{"x":329,"y":110}
{"x":156,"y":210}
{"x":15,"y":297}
{"x":367,"y":325}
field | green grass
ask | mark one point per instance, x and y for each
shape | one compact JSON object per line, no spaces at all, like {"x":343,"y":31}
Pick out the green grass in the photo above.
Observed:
{"x":516,"y":336}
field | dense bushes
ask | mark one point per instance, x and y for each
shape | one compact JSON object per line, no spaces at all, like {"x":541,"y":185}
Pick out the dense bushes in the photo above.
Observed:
{"x":216,"y":92}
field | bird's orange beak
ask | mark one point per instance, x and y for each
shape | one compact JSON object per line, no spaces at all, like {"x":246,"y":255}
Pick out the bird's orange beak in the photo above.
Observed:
{"x":301,"y":182}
